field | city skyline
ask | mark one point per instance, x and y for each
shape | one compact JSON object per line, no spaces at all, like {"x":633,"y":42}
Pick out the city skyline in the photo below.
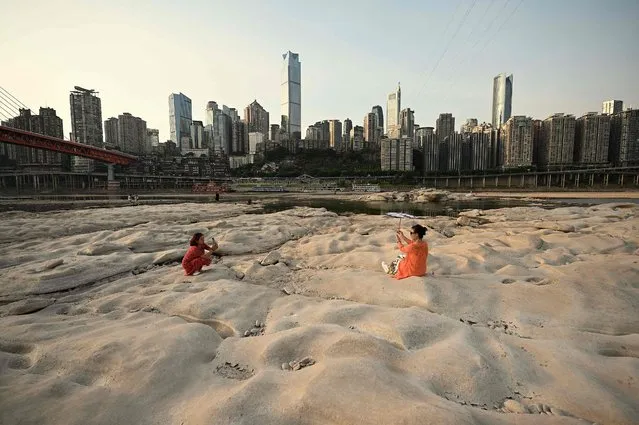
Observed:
{"x":435,"y":81}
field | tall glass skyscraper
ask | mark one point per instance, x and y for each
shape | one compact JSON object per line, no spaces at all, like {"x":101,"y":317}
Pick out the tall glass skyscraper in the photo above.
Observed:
{"x":180,"y":118}
{"x":393,"y":108}
{"x":379,"y":113}
{"x":292,"y":95}
{"x":502,"y":99}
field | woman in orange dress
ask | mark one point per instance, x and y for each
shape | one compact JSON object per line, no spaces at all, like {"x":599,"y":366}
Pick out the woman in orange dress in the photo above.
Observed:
{"x":197,"y":257}
{"x":415,"y":254}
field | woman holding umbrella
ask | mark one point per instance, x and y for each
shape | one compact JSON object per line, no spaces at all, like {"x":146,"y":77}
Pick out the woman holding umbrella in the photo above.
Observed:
{"x":415,"y":250}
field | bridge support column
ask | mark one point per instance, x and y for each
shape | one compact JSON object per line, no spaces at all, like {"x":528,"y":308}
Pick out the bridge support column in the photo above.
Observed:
{"x":577,"y":180}
{"x":110,"y":173}
{"x":509,"y":180}
{"x":536,"y":176}
{"x":592,"y":179}
{"x":621,"y":180}
{"x":606,"y":179}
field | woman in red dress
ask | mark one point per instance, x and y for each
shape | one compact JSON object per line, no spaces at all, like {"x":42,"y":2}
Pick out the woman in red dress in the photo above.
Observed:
{"x":415,"y":254}
{"x":197,"y":257}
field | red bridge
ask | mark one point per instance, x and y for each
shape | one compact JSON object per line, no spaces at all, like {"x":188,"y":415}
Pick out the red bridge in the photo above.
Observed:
{"x":39,"y":141}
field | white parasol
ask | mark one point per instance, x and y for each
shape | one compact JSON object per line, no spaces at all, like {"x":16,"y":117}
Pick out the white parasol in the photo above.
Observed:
{"x":399,"y":215}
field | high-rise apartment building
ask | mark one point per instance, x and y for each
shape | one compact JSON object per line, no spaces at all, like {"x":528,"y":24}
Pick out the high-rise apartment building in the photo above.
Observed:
{"x":86,"y":124}
{"x":86,"y":117}
{"x":370,"y":127}
{"x":197,"y":135}
{"x":420,"y":135}
{"x":180,"y":117}
{"x":132,"y":133}
{"x":257,"y":119}
{"x":379,"y":114}
{"x":152,"y":138}
{"x":557,"y":140}
{"x":335,"y":134}
{"x":111,"y":132}
{"x":393,"y":109}
{"x":210,"y":114}
{"x":45,"y":122}
{"x":407,"y":122}
{"x":482,"y":141}
{"x":357,"y":139}
{"x":396,"y":154}
{"x":624,"y":138}
{"x":127,"y":133}
{"x":592,"y":139}
{"x":610,"y":107}
{"x":291,"y":95}
{"x":239,"y":141}
{"x":502,"y":99}
{"x":518,"y":142}
{"x":445,"y":127}
{"x":468,"y":126}
{"x":275,"y":133}
{"x":430,"y":146}
{"x":348,"y":126}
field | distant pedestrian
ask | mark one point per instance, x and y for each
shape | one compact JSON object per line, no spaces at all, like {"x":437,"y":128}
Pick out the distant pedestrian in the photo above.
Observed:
{"x":217,"y":196}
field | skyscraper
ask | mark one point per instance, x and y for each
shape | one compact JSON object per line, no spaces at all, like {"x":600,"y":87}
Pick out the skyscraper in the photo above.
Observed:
{"x":335,"y":134}
{"x":624,"y":138}
{"x":152,"y":138}
{"x":379,"y":113}
{"x":592,"y":138}
{"x":291,"y":93}
{"x":518,"y":142}
{"x":502,"y":99}
{"x":86,"y":117}
{"x":111,"y":132}
{"x":407,"y":122}
{"x":370,"y":127}
{"x":211,"y":109}
{"x":348,"y":126}
{"x":86,"y":124}
{"x":47,"y":123}
{"x":393,"y":108}
{"x":610,"y":107}
{"x":468,"y":126}
{"x":557,"y":141}
{"x":180,"y":117}
{"x":445,"y":127}
{"x":256,"y":118}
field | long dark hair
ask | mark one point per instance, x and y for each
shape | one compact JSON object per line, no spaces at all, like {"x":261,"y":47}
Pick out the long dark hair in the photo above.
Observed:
{"x":419,"y":229}
{"x":194,"y":240}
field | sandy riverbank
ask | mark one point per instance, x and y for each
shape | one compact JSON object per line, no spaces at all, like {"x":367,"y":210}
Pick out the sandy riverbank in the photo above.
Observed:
{"x":528,"y":310}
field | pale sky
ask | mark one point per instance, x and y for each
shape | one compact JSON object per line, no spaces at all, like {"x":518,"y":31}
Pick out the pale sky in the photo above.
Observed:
{"x":565,"y":55}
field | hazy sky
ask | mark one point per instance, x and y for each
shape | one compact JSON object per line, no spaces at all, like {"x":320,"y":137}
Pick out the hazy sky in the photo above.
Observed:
{"x":565,"y":55}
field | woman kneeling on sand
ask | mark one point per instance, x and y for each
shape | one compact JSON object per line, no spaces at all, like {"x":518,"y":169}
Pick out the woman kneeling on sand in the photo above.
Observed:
{"x":415,"y":254}
{"x":196,"y":257}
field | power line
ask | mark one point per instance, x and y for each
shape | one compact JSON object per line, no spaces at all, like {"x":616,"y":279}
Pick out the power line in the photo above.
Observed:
{"x":472,"y":32}
{"x":468,"y":10}
{"x":450,"y":21}
{"x":488,"y":40}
